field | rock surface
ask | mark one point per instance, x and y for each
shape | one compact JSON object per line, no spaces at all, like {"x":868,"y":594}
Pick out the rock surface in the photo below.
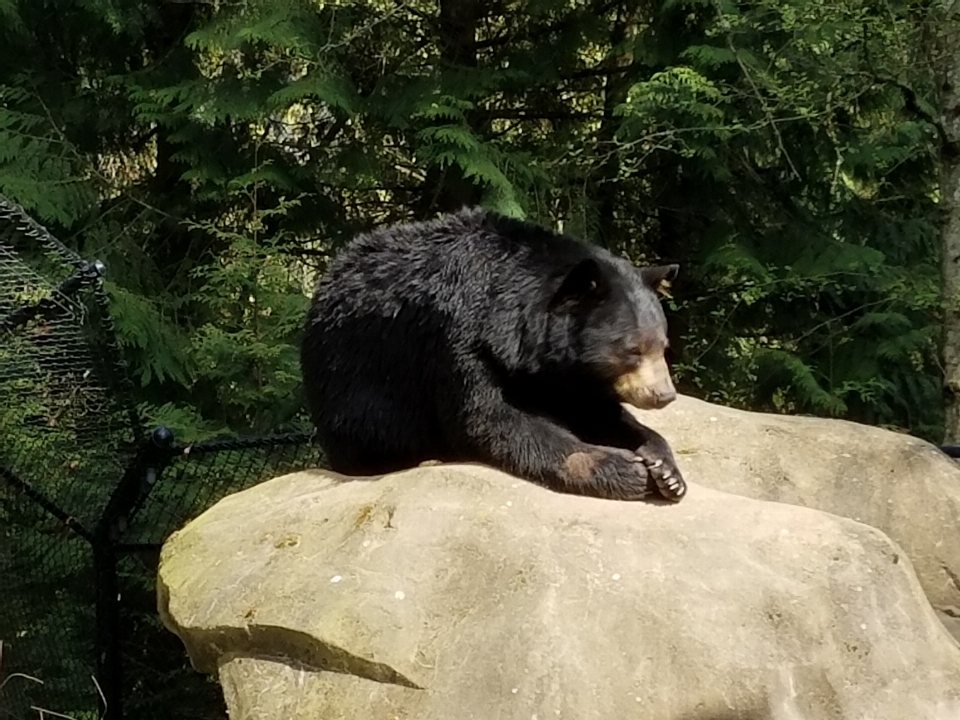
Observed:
{"x":460,"y":592}
{"x":901,"y":485}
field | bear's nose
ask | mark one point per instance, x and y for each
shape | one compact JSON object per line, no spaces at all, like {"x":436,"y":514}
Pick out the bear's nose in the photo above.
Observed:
{"x":665,"y":397}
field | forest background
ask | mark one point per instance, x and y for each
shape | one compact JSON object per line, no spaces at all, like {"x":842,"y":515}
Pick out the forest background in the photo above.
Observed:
{"x":790,"y":155}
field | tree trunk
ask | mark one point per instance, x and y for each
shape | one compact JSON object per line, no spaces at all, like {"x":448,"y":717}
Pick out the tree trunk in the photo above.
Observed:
{"x":165,"y":187}
{"x":950,"y":219}
{"x":447,"y":190}
{"x":615,"y":89}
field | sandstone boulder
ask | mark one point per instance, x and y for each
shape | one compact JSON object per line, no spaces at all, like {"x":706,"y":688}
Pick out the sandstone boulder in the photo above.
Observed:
{"x":460,"y":592}
{"x":901,"y":485}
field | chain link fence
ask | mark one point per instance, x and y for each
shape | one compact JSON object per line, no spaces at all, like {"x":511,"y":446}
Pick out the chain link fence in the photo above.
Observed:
{"x":87,"y":496}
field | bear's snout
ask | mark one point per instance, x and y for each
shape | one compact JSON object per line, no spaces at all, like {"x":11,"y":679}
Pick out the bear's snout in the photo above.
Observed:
{"x":665,"y":397}
{"x":648,"y":386}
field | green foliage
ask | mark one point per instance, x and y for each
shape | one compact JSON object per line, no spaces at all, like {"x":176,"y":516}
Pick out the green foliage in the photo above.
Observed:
{"x":244,"y":355}
{"x":36,"y":163}
{"x":816,"y":251}
{"x":154,"y":342}
{"x":781,"y":151}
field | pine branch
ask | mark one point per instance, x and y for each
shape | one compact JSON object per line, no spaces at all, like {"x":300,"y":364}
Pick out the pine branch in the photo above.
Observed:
{"x":763,"y":105}
{"x":912,"y":102}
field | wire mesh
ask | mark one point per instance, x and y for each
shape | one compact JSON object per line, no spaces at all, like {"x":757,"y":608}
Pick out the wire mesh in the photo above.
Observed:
{"x":201,"y":474}
{"x":65,"y":435}
{"x":46,"y":613}
{"x":64,"y":427}
{"x":86,"y":501}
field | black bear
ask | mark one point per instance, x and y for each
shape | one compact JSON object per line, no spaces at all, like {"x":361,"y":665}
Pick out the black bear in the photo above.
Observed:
{"x":479,"y":338}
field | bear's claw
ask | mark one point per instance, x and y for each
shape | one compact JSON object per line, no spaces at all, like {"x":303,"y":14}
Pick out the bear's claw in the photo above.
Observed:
{"x":667,"y":477}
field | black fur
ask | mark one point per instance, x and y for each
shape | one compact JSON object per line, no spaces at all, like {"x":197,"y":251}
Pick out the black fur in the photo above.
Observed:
{"x":475,"y":337}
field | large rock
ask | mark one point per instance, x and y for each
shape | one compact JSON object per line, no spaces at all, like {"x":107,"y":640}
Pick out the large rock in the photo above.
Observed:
{"x":894,"y":482}
{"x":460,"y":592}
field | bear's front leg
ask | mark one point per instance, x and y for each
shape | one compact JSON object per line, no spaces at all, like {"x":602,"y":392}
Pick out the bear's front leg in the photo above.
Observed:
{"x":599,"y":471}
{"x":534,"y":448}
{"x":614,"y":425}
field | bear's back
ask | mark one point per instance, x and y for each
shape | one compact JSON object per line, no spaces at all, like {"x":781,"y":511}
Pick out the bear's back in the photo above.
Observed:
{"x":415,"y":262}
{"x":459,"y":263}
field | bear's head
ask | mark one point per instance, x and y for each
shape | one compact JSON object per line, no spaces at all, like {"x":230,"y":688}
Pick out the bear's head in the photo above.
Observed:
{"x":615,"y":327}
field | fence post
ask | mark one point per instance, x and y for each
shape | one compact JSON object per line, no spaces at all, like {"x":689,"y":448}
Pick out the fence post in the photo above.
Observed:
{"x":109,"y":665}
{"x":137,"y":482}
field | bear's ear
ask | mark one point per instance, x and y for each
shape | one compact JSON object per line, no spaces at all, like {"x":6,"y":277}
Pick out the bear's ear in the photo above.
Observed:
{"x":584,"y":282}
{"x":658,"y":278}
